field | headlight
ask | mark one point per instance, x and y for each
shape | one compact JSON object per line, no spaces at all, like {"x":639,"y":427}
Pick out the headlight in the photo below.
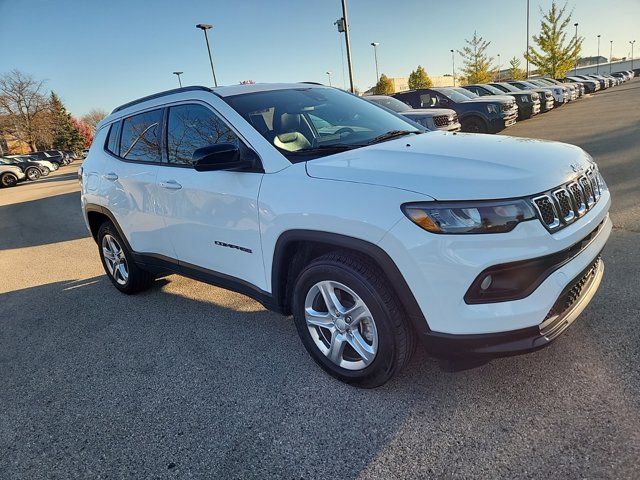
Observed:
{"x":469,"y":217}
{"x":492,"y":108}
{"x":602,"y":185}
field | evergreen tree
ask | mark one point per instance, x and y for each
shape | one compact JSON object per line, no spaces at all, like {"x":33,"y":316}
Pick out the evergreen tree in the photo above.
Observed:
{"x":477,"y":66}
{"x":384,"y":86}
{"x":419,"y":79}
{"x":65,"y":136}
{"x":556,"y":56}
{"x":515,"y":72}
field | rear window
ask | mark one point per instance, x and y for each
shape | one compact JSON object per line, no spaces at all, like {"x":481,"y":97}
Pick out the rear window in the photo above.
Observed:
{"x":141,"y":137}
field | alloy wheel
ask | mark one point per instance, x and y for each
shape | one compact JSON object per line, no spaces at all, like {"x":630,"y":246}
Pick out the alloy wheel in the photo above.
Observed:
{"x":115,"y":259}
{"x":341,"y":325}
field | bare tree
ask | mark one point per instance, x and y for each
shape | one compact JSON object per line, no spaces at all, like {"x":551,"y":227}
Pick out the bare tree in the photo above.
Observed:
{"x":93,"y":117}
{"x":24,"y":107}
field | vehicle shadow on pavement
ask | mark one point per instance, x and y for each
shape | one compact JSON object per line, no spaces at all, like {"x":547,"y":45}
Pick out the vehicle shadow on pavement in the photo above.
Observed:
{"x":42,"y":221}
{"x":97,"y":381}
{"x":54,"y":178}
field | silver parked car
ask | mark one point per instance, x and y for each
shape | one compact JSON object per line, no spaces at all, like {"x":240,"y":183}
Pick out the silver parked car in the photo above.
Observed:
{"x":431,"y":118}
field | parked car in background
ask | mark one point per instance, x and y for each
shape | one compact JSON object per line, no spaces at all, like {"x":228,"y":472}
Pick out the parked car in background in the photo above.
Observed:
{"x":590,"y":86}
{"x":604,"y":83}
{"x":546,"y":96}
{"x":51,"y":157}
{"x":10,"y":175}
{"x":31,"y":170}
{"x":479,"y":115}
{"x":45,"y":165}
{"x":528,"y":102}
{"x":55,"y":153}
{"x":431,"y":118}
{"x":375,"y":236}
{"x":560,"y":96}
{"x":573,"y":90}
{"x":624,"y":76}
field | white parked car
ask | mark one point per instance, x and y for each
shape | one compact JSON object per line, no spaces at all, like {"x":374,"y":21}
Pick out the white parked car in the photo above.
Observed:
{"x":10,"y":175}
{"x":430,"y":118}
{"x":368,"y":230}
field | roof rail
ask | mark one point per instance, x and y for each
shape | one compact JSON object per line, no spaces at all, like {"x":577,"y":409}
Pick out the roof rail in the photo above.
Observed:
{"x":314,"y":83}
{"x":161,"y":94}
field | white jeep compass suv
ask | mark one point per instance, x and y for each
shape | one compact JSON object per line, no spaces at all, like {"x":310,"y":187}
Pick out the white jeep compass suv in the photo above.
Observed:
{"x":370,"y":231}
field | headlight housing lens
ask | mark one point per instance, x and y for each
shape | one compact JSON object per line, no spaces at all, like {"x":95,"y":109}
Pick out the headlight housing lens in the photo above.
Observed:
{"x":469,"y":217}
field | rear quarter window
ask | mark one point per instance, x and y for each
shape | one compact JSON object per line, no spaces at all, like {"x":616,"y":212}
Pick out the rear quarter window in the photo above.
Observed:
{"x":141,"y":138}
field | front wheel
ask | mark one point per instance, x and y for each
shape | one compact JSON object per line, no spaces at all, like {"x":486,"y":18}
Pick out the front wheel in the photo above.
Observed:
{"x":45,"y":171}
{"x":475,"y":125}
{"x":350,"y":321}
{"x":8,"y":179}
{"x":33,"y":173}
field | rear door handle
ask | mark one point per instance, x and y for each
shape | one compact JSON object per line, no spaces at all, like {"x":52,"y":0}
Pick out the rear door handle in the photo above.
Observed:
{"x":111,"y":176}
{"x":171,"y":185}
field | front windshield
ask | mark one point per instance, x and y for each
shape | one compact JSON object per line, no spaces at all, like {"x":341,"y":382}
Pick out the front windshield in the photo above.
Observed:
{"x":312,"y":121}
{"x":452,"y":94}
{"x":492,"y":89}
{"x":465,"y":92}
{"x":5,"y":161}
{"x":391,"y":103}
{"x":509,"y":88}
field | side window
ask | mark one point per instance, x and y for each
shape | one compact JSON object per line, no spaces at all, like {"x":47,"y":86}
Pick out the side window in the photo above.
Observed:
{"x":141,"y":137}
{"x":475,"y":90}
{"x":113,"y":138}
{"x":191,"y":127}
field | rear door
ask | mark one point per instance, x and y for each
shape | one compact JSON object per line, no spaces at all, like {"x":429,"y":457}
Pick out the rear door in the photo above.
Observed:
{"x":134,"y":153}
{"x":211,"y":217}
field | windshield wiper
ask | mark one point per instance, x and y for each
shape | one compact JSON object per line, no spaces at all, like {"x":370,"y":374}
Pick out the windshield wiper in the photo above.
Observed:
{"x":391,"y":134}
{"x":337,"y":147}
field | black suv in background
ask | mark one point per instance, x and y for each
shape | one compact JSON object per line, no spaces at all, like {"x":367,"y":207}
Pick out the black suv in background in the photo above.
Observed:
{"x":477,"y":115}
{"x":546,"y":96}
{"x":50,"y":155}
{"x":32,"y":170}
{"x":528,"y":102}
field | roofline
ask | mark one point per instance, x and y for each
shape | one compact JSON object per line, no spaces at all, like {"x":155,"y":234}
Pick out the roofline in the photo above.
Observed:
{"x":161,"y":94}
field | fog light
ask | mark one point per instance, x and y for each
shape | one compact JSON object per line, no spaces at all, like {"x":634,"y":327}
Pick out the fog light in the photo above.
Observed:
{"x":486,"y":283}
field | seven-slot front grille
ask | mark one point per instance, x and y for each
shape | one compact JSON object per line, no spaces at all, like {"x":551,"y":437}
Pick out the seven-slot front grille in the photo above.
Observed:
{"x":441,"y":120}
{"x":563,"y":205}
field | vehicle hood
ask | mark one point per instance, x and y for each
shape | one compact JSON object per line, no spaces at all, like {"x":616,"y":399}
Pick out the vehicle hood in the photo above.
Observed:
{"x":429,"y":112}
{"x":457,"y":166}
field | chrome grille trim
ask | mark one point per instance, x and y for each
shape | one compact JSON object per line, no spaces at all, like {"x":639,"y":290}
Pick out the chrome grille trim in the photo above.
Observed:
{"x":564,"y":204}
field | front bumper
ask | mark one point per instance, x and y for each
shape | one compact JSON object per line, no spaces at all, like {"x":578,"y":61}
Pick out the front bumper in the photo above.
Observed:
{"x":439,"y":270}
{"x":571,"y":302}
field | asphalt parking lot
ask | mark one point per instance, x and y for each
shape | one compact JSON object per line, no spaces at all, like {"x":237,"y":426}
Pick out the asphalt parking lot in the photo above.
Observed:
{"x":190,"y":380}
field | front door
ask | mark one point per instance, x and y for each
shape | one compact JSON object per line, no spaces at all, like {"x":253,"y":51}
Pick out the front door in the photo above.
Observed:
{"x":210,"y":217}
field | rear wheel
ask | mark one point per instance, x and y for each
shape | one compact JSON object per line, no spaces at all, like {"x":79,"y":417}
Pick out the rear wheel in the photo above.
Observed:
{"x":33,"y":173}
{"x":8,"y":179}
{"x":350,"y":320}
{"x":475,"y":125}
{"x":118,"y":262}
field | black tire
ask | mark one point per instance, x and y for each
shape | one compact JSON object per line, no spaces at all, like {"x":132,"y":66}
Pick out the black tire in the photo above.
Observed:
{"x":8,"y":179}
{"x":475,"y":125}
{"x":396,"y":338}
{"x":33,"y":173}
{"x":138,"y":279}
{"x":45,"y":171}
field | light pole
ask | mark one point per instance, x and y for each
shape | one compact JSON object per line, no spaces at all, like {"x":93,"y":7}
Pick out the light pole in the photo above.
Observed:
{"x":329,"y":75}
{"x":178,"y":75}
{"x":610,"y":55}
{"x":375,"y":56}
{"x":499,"y":68}
{"x":453,"y":66}
{"x":575,"y":67}
{"x":343,"y":27}
{"x":598,"y":57}
{"x":527,"y":58}
{"x":204,"y":27}
{"x":632,"y":42}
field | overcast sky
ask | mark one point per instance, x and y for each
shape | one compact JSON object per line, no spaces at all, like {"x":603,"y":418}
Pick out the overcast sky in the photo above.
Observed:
{"x":104,"y":53}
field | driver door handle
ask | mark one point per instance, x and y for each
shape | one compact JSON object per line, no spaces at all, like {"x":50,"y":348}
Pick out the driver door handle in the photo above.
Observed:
{"x":170,"y":185}
{"x":111,"y":176}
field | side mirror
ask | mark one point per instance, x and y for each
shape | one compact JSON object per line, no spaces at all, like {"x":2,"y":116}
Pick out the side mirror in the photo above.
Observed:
{"x":221,"y":156}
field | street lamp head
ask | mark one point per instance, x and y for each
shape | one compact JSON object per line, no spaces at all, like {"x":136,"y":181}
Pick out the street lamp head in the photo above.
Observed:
{"x":375,"y":44}
{"x":178,"y":73}
{"x":599,"y":36}
{"x":575,"y":24}
{"x":204,"y":26}
{"x":329,"y":73}
{"x":451,"y":50}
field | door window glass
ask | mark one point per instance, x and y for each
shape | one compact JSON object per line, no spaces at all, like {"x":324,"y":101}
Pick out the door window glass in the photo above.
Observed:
{"x":141,"y":137}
